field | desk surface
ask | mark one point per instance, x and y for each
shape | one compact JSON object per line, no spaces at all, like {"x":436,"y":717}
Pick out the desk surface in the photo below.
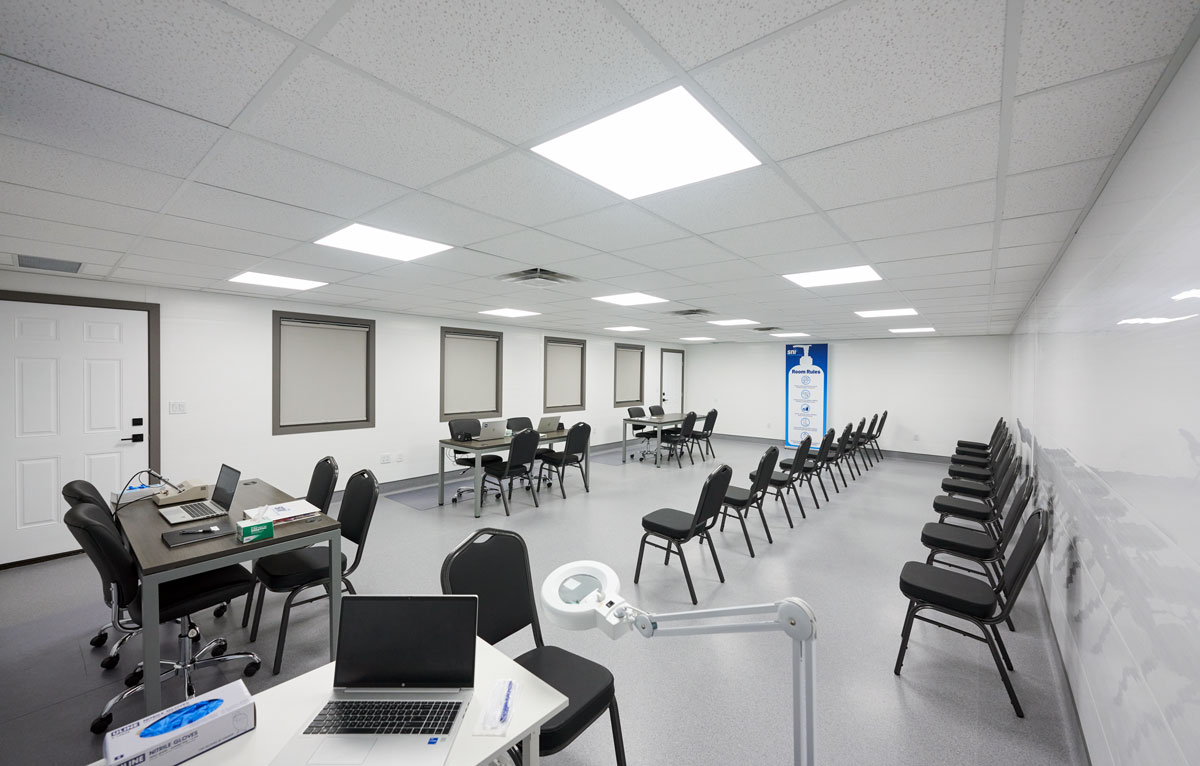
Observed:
{"x":144,"y":526}
{"x":655,"y":420}
{"x":284,"y":709}
{"x":474,"y":445}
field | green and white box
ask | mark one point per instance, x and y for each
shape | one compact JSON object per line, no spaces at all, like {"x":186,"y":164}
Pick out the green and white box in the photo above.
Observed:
{"x":250,"y":531}
{"x":183,"y":731}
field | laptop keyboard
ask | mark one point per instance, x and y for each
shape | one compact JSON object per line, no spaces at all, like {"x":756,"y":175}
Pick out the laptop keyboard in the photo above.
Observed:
{"x":384,"y":717}
{"x":200,"y":510}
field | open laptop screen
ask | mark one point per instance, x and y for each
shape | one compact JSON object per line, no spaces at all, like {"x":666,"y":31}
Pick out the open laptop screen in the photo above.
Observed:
{"x":226,"y":486}
{"x":406,"y":642}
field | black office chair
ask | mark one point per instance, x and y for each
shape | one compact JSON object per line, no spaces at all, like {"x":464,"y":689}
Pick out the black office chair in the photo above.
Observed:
{"x":493,"y":564}
{"x":676,"y":527}
{"x":645,"y":433}
{"x":462,"y":429}
{"x":676,"y":441}
{"x":96,"y":532}
{"x":521,"y":454}
{"x":788,"y":478}
{"x":968,"y":598}
{"x":741,"y":499}
{"x":297,"y":570}
{"x":573,"y":452}
{"x":705,"y":433}
{"x":323,"y":483}
{"x":656,"y":410}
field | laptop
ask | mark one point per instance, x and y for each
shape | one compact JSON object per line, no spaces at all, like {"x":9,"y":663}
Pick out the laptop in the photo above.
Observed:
{"x":222,"y":498}
{"x":549,"y":424}
{"x":492,"y":429}
{"x":401,"y":686}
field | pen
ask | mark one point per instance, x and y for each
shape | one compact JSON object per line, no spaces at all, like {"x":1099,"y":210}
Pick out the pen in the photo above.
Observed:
{"x":205,"y":531}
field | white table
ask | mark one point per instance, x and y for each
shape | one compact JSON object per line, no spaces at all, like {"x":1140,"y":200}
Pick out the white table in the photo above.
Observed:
{"x":287,"y":708}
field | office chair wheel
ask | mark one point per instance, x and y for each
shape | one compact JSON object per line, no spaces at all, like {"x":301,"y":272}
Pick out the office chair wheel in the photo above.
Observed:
{"x":101,"y":724}
{"x":498,"y":495}
{"x":220,"y":647}
{"x":193,"y":632}
{"x":252,"y":668}
{"x":110,"y":662}
{"x":100,"y":639}
{"x":134,"y":678}
{"x":220,"y":610}
{"x":454,"y":501}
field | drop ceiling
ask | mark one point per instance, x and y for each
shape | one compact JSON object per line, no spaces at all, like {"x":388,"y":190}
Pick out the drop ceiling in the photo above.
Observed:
{"x":952,"y":145}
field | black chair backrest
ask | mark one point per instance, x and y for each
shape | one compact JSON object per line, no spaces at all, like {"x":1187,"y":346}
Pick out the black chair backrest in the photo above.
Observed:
{"x":464,"y":427}
{"x":826,"y":445}
{"x":358,"y":507}
{"x":689,"y":425}
{"x":493,"y":564}
{"x":1007,"y":481}
{"x":762,"y":477}
{"x":577,"y":439}
{"x":523,"y":449}
{"x":882,"y":420}
{"x":800,"y":456}
{"x":1012,"y":519}
{"x":710,"y":421}
{"x":712,"y":497}
{"x":637,"y":412}
{"x":518,"y":424}
{"x":843,"y":442}
{"x":79,"y":491}
{"x":323,"y":481}
{"x":861,"y":425}
{"x":1024,"y":556}
{"x":96,"y":532}
{"x":871,"y":428}
{"x":656,"y":409}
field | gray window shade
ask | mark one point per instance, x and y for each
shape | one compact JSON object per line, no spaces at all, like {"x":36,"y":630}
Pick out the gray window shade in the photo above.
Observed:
{"x":469,"y":373}
{"x":564,"y":374}
{"x":628,"y":379}
{"x":322,"y":373}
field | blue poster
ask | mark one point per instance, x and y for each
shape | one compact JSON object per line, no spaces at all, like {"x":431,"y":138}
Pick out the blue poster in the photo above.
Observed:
{"x":807,"y":392}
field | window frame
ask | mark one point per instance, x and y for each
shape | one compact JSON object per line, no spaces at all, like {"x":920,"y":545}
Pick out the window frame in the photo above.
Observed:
{"x":617,"y":348}
{"x":581,"y":344}
{"x":277,"y":321}
{"x":479,"y":414}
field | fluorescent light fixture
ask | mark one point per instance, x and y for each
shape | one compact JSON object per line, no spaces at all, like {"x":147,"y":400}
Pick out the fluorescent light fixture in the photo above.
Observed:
{"x":731,"y":322}
{"x":511,"y":313}
{"x":789,"y":335}
{"x":662,"y":143}
{"x":887,"y":313}
{"x":913,"y":329}
{"x":386,"y":244}
{"x":630,"y":299}
{"x":270,"y":280}
{"x":698,"y":337}
{"x":1156,"y":320}
{"x":627,"y":328}
{"x":827,"y":277}
{"x":1186,"y":294}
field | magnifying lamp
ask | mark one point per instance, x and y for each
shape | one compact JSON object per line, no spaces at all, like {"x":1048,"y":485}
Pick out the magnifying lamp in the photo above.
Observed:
{"x":583,"y":595}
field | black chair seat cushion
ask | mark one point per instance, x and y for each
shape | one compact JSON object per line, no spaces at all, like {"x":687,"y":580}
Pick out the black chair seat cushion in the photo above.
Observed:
{"x":959,"y":592}
{"x":973,"y":473}
{"x":560,"y":458}
{"x":786,"y":464}
{"x":982,"y":462}
{"x":962,"y":506}
{"x":737,"y":496}
{"x":668,"y":522}
{"x":587,"y":686}
{"x":500,"y":469}
{"x":968,"y":542}
{"x":291,"y":569}
{"x":192,"y":594}
{"x":971,"y":445}
{"x":966,"y":487}
{"x":973,"y":452}
{"x":469,"y":462}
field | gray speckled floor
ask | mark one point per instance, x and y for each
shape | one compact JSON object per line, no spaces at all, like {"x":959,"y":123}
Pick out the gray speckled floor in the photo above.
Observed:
{"x":693,"y":700}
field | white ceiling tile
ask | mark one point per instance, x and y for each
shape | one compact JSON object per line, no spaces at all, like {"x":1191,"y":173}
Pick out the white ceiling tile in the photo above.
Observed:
{"x":1065,"y":40}
{"x":738,"y":199}
{"x":350,"y":292}
{"x":1037,"y":229}
{"x":53,"y":109}
{"x":182,"y":251}
{"x":960,"y":239}
{"x":433,"y":218}
{"x":871,"y":68}
{"x":961,"y":279}
{"x":615,"y":228}
{"x":222,"y":206}
{"x":945,"y":208}
{"x":60,"y":251}
{"x":284,"y":268}
{"x":938,"y":293}
{"x":178,"y":229}
{"x":342,"y":116}
{"x":187,"y":55}
{"x":472,"y":262}
{"x":413,"y":275}
{"x":533,"y":246}
{"x":816,"y":259}
{"x":695,"y":31}
{"x":518,"y":70}
{"x":245,"y":164}
{"x":689,"y":251}
{"x":1078,"y":121}
{"x":182,"y":268}
{"x":1020,"y":287}
{"x":1021,"y":273}
{"x":600,"y":266}
{"x":932,"y":155}
{"x":45,"y":167}
{"x":1028,"y":255}
{"x":1049,"y":190}
{"x":297,"y":19}
{"x":687,"y":293}
{"x":836,"y":293}
{"x":649,"y":281}
{"x":63,"y":233}
{"x":324,"y":299}
{"x":939,"y":264}
{"x":167,"y":279}
{"x":35,"y":203}
{"x":786,"y":235}
{"x":721,"y":272}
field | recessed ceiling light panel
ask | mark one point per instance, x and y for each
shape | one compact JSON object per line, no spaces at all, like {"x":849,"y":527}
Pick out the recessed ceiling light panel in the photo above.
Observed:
{"x":662,"y":143}
{"x":912,"y":329}
{"x":1186,"y":294}
{"x":887,"y":313}
{"x":789,"y":335}
{"x":270,"y":280}
{"x":828,"y":277}
{"x":698,"y":337}
{"x":511,"y":313}
{"x":731,"y":322}
{"x":385,"y":244}
{"x":1156,"y":320}
{"x":627,"y":328}
{"x":630,"y":299}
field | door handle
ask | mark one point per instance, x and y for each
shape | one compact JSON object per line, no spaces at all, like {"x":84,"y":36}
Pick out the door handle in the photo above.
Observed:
{"x":135,"y":438}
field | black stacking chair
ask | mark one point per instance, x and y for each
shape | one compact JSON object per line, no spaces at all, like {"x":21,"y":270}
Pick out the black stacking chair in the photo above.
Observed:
{"x":782,"y":481}
{"x":521,"y":454}
{"x":854,"y":444}
{"x":978,"y":489}
{"x":295,"y":571}
{"x":968,"y":598}
{"x":467,"y":427}
{"x":876,"y":433}
{"x":705,"y":433}
{"x":676,"y":441}
{"x":813,"y":463}
{"x":836,"y":455}
{"x":573,"y":453}
{"x":740,"y":500}
{"x":96,"y":532}
{"x":675,"y":528}
{"x":493,"y":564}
{"x":987,"y":511}
{"x":322,"y":484}
{"x":965,"y":447}
{"x":863,"y":440}
{"x":976,"y":472}
{"x":517,"y":425}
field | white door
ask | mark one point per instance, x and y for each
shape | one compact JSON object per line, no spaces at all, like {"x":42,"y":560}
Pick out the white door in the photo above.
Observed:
{"x":73,"y":379}
{"x":672,"y":381}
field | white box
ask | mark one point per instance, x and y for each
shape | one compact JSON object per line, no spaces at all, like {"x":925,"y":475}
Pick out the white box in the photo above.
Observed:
{"x":183,"y":731}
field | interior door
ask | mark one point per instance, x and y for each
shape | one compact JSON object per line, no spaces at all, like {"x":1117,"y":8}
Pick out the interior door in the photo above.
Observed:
{"x":671,"y":378}
{"x":74,"y":390}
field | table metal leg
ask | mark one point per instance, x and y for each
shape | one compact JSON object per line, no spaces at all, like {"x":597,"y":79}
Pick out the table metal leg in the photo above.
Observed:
{"x":441,"y":475}
{"x":587,"y":464}
{"x":530,"y":748}
{"x":657,"y":444}
{"x":335,"y":593}
{"x":150,"y":645}
{"x":478,"y":484}
{"x":624,"y":449}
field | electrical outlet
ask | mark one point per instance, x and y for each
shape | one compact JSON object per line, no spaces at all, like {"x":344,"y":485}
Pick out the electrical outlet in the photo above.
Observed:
{"x":399,"y":457}
{"x":177,"y":408}
{"x":385,"y":458}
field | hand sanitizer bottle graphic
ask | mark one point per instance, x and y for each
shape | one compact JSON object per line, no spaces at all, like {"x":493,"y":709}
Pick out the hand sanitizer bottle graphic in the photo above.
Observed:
{"x":806,"y":400}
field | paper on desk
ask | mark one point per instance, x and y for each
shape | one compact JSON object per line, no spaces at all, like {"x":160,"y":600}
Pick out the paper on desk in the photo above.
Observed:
{"x":281,"y":512}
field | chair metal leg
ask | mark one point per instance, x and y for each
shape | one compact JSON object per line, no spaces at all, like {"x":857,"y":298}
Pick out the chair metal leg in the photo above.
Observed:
{"x":262,"y":591}
{"x":641,"y":549}
{"x":246,"y":612}
{"x":908,"y":623}
{"x":839,"y":467}
{"x":741,"y":520}
{"x":618,"y":738}
{"x":283,"y":626}
{"x":763,"y":516}
{"x":713,"y":549}
{"x":686,"y":574}
{"x":1012,"y":694}
{"x":822,"y":483}
{"x":781,"y":496}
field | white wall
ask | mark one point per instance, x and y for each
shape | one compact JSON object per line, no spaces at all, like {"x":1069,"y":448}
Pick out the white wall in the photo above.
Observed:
{"x":216,"y":357}
{"x":936,"y":390}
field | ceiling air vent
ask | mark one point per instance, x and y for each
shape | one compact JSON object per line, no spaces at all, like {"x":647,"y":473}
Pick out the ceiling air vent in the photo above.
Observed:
{"x":691,"y":313}
{"x":48,"y":264}
{"x":537,"y":278}
{"x":766,"y":329}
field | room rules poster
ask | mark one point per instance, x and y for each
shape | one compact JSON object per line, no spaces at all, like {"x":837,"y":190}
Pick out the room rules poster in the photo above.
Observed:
{"x":807,"y":392}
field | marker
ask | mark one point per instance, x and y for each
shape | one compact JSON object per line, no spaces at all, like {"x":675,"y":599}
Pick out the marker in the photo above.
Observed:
{"x":205,"y":531}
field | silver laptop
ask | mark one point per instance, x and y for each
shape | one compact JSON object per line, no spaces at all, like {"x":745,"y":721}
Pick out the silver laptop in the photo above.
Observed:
{"x":492,"y":429}
{"x":404,"y":677}
{"x":222,"y":498}
{"x":548,"y":424}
